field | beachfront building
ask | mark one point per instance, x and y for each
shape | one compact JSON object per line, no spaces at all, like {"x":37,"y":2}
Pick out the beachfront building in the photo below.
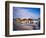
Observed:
{"x":18,"y":20}
{"x":29,"y":20}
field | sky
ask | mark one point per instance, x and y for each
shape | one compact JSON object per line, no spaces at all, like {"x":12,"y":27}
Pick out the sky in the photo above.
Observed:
{"x":26,"y":12}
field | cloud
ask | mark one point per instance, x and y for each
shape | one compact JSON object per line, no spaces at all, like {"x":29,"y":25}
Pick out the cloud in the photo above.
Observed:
{"x":24,"y":13}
